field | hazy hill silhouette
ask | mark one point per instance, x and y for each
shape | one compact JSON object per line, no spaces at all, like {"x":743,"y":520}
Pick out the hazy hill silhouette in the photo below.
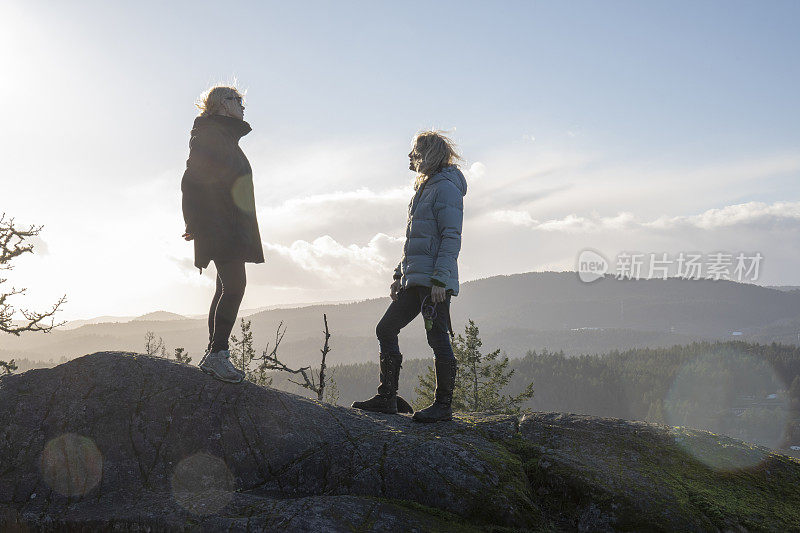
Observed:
{"x":159,"y":316}
{"x":515,"y":313}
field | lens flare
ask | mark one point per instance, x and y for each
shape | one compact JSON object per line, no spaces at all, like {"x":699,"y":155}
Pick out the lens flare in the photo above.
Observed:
{"x":71,"y":464}
{"x":732,"y":394}
{"x":202,"y":484}
{"x":243,"y":195}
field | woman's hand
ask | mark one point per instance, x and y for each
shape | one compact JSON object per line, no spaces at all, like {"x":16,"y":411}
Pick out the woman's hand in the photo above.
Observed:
{"x":394,"y":288}
{"x":187,"y":236}
{"x":438,"y":294}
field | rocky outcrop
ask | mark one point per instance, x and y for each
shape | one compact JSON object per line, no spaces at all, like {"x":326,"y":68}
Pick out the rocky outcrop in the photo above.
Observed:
{"x":132,"y":442}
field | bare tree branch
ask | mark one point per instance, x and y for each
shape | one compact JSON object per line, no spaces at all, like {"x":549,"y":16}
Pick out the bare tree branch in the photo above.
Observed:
{"x":11,"y":240}
{"x":34,"y":318}
{"x":11,"y":246}
{"x":270,"y":361}
{"x":325,"y":349}
{"x":153,"y":347}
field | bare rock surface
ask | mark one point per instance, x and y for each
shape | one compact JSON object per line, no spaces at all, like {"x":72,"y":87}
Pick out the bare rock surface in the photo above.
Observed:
{"x":129,"y":442}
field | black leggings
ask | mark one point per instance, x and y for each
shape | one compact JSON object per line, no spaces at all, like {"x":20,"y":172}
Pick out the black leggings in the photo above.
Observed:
{"x":403,"y":310}
{"x":231,"y":281}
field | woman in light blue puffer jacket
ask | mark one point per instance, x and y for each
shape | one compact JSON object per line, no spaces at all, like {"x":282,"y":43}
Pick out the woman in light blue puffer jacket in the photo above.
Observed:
{"x":427,"y":275}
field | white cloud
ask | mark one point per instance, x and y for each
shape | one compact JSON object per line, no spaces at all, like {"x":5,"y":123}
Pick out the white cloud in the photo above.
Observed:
{"x":552,"y":184}
{"x":284,"y":172}
{"x":753,"y":214}
{"x":350,"y":216}
{"x":516,"y":218}
{"x":325,"y":262}
{"x":476,"y":171}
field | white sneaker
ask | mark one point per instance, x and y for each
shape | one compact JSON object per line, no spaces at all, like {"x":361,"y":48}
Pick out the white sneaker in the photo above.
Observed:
{"x":203,"y":360}
{"x":218,"y":364}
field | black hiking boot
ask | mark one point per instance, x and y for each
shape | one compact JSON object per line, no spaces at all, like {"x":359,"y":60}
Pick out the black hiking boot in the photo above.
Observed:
{"x":386,"y":399}
{"x":441,"y":408}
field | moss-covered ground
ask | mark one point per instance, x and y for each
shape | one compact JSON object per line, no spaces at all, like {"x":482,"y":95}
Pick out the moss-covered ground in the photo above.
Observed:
{"x":655,"y":479}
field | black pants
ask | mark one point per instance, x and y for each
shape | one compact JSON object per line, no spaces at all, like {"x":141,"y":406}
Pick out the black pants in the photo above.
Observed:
{"x":231,"y":281}
{"x":403,"y":310}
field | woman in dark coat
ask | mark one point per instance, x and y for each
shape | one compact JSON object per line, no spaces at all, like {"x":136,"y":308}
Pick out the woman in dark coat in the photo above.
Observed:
{"x":220,"y":215}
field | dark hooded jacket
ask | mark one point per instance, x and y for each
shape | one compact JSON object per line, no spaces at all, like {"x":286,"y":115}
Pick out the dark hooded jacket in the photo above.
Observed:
{"x":219,"y":205}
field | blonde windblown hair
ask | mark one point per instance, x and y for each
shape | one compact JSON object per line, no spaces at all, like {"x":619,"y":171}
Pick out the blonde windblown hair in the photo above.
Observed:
{"x":433,"y":151}
{"x":212,"y":100}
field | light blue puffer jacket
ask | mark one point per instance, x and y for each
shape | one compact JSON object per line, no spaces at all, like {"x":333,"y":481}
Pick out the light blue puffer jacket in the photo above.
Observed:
{"x":433,"y":232}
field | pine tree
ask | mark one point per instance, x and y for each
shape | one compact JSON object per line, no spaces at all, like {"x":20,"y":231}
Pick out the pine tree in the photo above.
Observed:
{"x":794,"y":393}
{"x":243,"y":354}
{"x":7,"y":367}
{"x":479,"y":380}
{"x":426,"y":389}
{"x":182,"y":356}
{"x":331,"y":394}
{"x":655,"y":413}
{"x":242,"y":351}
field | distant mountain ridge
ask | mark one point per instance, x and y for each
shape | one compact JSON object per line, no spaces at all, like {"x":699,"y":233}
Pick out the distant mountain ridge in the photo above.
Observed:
{"x":159,"y":316}
{"x":783,"y":287}
{"x":162,"y":315}
{"x":516,"y":313}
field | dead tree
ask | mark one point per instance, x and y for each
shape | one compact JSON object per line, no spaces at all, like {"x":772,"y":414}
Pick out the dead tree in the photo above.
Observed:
{"x":316,"y":384}
{"x":12,"y":244}
{"x":324,"y":351}
{"x":153,"y":347}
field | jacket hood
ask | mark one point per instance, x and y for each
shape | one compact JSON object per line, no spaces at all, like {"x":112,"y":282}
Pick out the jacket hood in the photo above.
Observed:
{"x":235,"y":127}
{"x":453,"y":174}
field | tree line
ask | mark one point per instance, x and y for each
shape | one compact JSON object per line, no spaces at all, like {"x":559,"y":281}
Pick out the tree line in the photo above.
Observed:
{"x":745,"y":390}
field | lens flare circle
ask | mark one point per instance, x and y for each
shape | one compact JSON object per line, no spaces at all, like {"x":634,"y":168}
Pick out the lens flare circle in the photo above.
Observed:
{"x":71,"y":464}
{"x":202,"y":484}
{"x":734,"y":395}
{"x":243,"y":194}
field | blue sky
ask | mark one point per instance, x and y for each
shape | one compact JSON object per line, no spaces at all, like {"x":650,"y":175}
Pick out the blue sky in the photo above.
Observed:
{"x":613,"y":125}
